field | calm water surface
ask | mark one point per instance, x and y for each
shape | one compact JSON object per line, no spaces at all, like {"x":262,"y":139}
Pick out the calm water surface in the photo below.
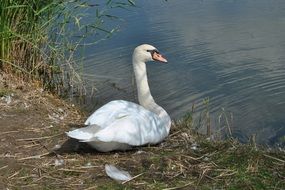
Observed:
{"x":232,"y":51}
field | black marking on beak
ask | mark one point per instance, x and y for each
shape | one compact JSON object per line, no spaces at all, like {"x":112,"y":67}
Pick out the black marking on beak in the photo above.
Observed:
{"x":153,"y":51}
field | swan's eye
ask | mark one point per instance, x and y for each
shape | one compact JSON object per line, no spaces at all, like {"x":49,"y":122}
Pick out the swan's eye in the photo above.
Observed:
{"x":153,"y":51}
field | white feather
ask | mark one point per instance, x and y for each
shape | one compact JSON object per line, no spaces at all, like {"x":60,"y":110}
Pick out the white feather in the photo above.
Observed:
{"x":116,"y":174}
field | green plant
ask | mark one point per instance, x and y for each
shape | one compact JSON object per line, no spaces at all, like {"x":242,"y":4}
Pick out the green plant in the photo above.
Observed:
{"x":39,"y":39}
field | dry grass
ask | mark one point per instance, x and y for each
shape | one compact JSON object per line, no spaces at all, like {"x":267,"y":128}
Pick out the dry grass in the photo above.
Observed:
{"x":35,"y":121}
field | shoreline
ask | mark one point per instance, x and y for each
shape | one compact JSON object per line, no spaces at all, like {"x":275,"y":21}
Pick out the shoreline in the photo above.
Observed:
{"x":34,"y":122}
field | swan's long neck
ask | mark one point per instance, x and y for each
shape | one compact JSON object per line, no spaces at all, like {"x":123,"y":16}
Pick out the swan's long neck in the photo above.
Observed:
{"x":144,"y":96}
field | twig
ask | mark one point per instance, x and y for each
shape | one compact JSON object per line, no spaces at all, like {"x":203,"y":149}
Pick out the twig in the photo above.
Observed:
{"x":28,"y":146}
{"x":71,"y":170}
{"x":171,"y":135}
{"x":192,"y":158}
{"x":3,"y":167}
{"x":16,"y":173}
{"x":274,"y":158}
{"x":93,"y":187}
{"x":179,"y":187}
{"x":7,"y":132}
{"x":8,"y":156}
{"x":88,"y":167}
{"x":39,"y":138}
{"x":34,"y":157}
{"x":26,"y":130}
{"x":224,"y":174}
{"x":132,"y":178}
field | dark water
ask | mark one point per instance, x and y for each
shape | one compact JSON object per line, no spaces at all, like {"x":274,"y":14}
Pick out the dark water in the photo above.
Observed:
{"x":232,"y":51}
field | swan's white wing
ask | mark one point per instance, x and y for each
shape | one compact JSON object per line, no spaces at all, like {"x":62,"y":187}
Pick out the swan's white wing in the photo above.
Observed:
{"x":84,"y":133}
{"x":124,"y":122}
{"x":111,"y":111}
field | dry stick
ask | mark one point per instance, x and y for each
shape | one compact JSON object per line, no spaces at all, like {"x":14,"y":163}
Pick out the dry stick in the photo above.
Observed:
{"x":226,"y":174}
{"x":171,"y":135}
{"x":21,"y":186}
{"x":56,"y":179}
{"x":179,"y":187}
{"x":28,"y":146}
{"x":8,"y":156}
{"x":178,"y":174}
{"x":71,"y":170}
{"x":93,"y":187}
{"x":39,"y":138}
{"x":51,"y":151}
{"x":34,"y":157}
{"x":132,"y":178}
{"x":3,"y":167}
{"x":274,"y":158}
{"x":40,"y":178}
{"x":202,"y":175}
{"x":7,"y":132}
{"x":88,"y":167}
{"x":25,"y":177}
{"x":13,"y":175}
{"x":192,"y":158}
{"x":26,"y":130}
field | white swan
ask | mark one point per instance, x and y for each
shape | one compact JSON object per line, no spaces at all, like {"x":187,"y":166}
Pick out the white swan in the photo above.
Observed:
{"x":119,"y":124}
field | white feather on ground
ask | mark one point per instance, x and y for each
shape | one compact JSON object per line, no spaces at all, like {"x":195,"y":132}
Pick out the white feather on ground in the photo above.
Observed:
{"x":116,"y":174}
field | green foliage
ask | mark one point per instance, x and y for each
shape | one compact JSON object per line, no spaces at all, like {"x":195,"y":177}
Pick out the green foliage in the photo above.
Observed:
{"x":39,"y":39}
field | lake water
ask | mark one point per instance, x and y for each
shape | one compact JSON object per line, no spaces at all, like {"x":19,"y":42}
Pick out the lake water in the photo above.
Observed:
{"x":232,"y":51}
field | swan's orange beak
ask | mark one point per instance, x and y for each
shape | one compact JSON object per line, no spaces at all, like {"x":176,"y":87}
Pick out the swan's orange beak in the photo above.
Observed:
{"x":158,"y":57}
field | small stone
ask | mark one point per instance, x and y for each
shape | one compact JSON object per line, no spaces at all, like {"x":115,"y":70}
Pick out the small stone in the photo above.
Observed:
{"x":56,"y":147}
{"x":88,"y":165}
{"x":7,"y":99}
{"x":26,"y":105}
{"x":58,"y":162}
{"x":139,"y":152}
{"x":184,"y":135}
{"x":194,"y":146}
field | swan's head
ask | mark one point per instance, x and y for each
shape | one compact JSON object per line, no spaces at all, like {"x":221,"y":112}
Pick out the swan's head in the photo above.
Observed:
{"x":147,"y":53}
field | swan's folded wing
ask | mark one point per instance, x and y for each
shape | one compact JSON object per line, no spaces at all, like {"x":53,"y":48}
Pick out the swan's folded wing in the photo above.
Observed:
{"x":111,"y":111}
{"x":126,"y":122}
{"x":84,"y":133}
{"x":134,"y":130}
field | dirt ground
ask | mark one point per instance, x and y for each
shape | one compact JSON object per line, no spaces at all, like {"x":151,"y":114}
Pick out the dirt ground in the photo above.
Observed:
{"x":36,"y":154}
{"x":33,"y":125}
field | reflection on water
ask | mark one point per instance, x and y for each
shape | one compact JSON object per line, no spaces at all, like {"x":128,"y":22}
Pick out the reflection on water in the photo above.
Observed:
{"x":230,"y":51}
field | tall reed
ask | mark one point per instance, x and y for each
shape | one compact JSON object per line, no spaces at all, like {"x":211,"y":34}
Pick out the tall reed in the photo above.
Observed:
{"x":38,"y":39}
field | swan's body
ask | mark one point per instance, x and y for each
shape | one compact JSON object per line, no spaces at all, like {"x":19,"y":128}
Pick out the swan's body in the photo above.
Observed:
{"x":119,"y":124}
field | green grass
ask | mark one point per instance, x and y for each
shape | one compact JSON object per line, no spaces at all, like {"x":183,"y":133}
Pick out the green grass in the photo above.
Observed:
{"x":39,"y":39}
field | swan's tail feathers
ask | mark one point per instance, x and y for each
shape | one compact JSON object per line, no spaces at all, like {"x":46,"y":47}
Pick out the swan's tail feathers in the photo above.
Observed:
{"x":84,"y":134}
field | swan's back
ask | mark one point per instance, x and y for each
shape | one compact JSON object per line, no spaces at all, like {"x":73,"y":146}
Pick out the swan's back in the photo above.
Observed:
{"x":127,"y":122}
